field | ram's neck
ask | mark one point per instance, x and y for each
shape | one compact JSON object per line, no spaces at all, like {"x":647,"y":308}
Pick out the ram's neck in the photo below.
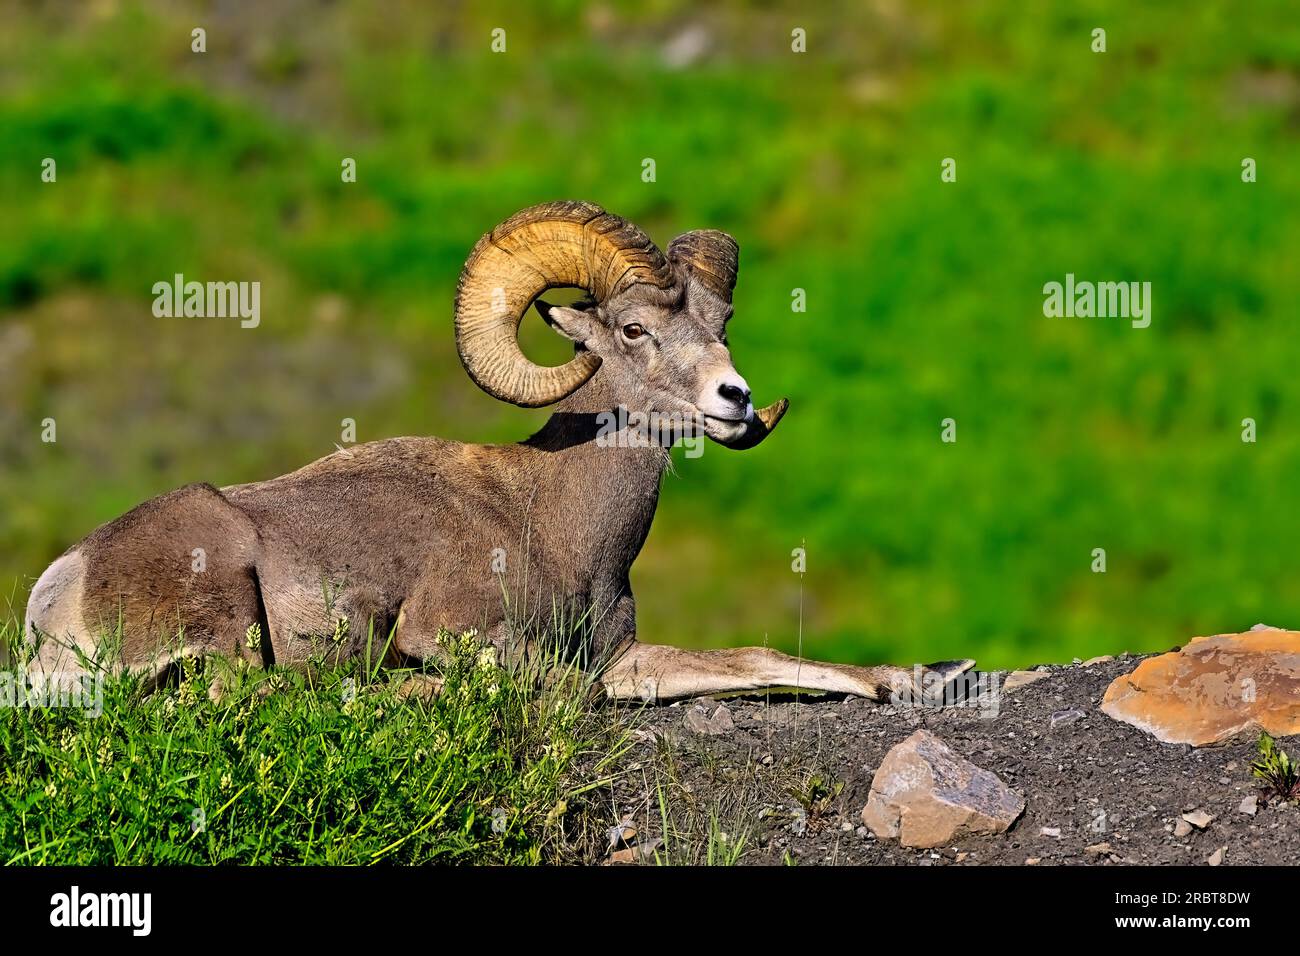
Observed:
{"x":610,"y":478}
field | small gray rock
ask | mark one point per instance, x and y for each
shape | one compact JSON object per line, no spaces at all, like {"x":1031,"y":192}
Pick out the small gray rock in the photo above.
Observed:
{"x":1018,"y":679}
{"x":698,"y":720}
{"x":1198,"y":818}
{"x":1062,"y":717}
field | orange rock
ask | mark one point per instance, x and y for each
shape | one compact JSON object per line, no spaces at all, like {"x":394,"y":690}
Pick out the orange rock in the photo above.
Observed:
{"x":1214,"y":688}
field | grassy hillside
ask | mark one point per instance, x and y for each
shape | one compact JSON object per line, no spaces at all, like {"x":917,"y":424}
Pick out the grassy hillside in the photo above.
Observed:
{"x":340,"y":767}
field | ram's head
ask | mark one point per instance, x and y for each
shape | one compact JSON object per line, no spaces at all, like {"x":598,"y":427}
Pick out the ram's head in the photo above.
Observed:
{"x":655,"y":323}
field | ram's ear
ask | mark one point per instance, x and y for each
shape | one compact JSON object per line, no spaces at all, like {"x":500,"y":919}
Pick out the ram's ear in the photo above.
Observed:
{"x":573,"y":324}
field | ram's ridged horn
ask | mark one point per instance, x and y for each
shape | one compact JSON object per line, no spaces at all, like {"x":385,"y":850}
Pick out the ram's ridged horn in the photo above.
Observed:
{"x":542,"y":247}
{"x":711,"y":257}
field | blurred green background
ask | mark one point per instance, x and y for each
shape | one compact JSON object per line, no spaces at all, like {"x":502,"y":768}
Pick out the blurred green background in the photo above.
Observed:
{"x":924,"y":298}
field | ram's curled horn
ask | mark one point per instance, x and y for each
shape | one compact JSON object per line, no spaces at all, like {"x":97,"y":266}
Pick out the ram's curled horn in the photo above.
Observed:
{"x":542,"y":247}
{"x":710,"y":257}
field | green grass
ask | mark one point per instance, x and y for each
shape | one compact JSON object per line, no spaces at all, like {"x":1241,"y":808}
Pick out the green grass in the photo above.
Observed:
{"x":337,"y":764}
{"x":332,"y":767}
{"x":1274,"y":767}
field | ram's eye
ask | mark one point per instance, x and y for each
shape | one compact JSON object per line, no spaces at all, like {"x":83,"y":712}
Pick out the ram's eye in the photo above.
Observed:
{"x":633,"y":331}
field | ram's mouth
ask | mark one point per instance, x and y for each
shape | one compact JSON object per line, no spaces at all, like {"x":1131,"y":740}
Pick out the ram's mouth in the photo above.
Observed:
{"x":725,"y":430}
{"x":742,"y":433}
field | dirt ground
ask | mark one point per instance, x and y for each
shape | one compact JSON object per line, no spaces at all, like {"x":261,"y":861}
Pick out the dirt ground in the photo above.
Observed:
{"x":791,"y":779}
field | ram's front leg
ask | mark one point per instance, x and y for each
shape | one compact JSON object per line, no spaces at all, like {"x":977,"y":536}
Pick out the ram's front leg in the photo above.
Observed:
{"x":658,"y":673}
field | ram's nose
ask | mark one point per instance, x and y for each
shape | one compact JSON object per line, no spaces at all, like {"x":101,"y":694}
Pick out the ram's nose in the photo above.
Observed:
{"x":735,"y":392}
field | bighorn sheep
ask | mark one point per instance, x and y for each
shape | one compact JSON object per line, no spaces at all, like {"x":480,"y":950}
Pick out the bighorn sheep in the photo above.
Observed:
{"x":404,"y":532}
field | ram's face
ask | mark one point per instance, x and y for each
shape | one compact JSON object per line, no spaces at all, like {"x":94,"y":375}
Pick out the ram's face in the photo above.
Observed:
{"x":668,"y":355}
{"x":655,"y":325}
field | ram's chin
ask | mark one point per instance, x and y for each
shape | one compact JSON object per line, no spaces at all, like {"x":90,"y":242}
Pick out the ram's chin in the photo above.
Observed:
{"x":726,"y":431}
